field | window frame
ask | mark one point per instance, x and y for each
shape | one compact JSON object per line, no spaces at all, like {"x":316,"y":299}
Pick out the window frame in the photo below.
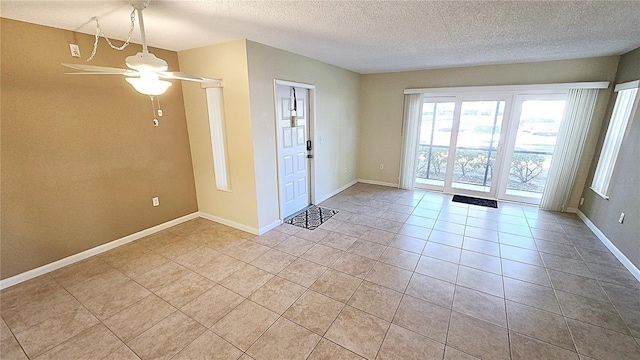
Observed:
{"x":617,"y":130}
{"x":217,"y":131}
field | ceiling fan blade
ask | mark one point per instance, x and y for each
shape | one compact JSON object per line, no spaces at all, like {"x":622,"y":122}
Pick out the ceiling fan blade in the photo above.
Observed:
{"x":101,"y":69}
{"x":103,"y":73}
{"x":178,"y":75}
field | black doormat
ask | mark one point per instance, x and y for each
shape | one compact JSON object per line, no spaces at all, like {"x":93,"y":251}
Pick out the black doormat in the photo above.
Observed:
{"x":475,"y":201}
{"x":312,"y":217}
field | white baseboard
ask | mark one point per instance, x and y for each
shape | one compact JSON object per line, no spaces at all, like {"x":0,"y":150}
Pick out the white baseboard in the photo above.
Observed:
{"x":572,"y":210}
{"x":323,"y":198}
{"x":376,"y":182}
{"x":27,"y":275}
{"x":617,"y":253}
{"x":233,"y":224}
{"x":274,"y":224}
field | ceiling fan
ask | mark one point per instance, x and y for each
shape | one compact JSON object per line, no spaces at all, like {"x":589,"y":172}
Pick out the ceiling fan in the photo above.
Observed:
{"x":145,"y":69}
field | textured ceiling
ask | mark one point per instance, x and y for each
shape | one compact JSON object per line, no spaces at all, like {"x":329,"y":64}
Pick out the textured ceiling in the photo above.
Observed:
{"x":367,"y":36}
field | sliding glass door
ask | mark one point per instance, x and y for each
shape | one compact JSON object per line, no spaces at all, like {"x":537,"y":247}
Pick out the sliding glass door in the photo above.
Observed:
{"x":476,"y":148}
{"x":433,"y":145}
{"x":496,"y":146}
{"x":530,"y":147}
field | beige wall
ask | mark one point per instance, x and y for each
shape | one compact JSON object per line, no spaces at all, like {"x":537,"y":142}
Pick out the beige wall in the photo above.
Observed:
{"x":80,"y":156}
{"x":227,"y":62}
{"x":624,"y":195}
{"x":381,"y":105}
{"x":336,"y":121}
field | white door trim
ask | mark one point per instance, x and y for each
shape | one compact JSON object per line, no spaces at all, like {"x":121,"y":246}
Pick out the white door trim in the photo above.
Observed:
{"x":312,"y":135}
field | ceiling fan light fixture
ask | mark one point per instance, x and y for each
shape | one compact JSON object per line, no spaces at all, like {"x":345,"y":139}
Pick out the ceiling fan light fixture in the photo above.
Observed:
{"x":144,"y":69}
{"x":149,"y":86}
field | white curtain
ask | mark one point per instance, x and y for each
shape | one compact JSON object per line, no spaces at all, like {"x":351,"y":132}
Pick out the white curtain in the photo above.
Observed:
{"x":569,"y":145}
{"x":410,"y":129}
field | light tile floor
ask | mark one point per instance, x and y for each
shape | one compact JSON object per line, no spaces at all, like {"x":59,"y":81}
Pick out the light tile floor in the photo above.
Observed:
{"x":394,"y":275}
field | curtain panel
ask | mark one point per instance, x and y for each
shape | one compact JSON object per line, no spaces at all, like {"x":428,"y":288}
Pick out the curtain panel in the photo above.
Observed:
{"x":410,"y":131}
{"x":568,"y":150}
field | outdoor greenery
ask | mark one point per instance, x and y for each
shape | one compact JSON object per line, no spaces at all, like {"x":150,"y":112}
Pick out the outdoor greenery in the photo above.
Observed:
{"x":469,"y":164}
{"x":438,"y":162}
{"x":526,"y":167}
{"x":469,"y":167}
{"x":470,"y":160}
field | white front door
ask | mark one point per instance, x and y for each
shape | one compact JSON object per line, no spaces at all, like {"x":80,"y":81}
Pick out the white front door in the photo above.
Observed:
{"x":293,"y":164}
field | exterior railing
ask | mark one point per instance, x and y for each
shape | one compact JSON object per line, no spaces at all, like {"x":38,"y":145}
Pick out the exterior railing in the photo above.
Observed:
{"x":474,"y":165}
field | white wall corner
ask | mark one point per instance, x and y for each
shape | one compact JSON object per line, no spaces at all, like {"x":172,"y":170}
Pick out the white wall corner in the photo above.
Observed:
{"x":27,"y":275}
{"x":333,"y":193}
{"x":233,"y":224}
{"x":375,"y":182}
{"x":274,"y":224}
{"x":617,"y":253}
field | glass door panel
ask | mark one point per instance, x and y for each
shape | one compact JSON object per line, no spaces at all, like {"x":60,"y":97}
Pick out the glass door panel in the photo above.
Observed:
{"x":476,"y":146}
{"x":433,"y":148}
{"x":532,"y":146}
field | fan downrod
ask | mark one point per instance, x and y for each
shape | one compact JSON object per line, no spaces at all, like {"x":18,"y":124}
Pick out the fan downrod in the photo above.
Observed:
{"x":139,"y":4}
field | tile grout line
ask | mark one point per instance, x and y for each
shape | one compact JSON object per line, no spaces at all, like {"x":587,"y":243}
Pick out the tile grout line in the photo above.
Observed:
{"x":630,"y":332}
{"x":504,"y":294}
{"x":564,"y":318}
{"x":15,"y":338}
{"x":446,"y":337}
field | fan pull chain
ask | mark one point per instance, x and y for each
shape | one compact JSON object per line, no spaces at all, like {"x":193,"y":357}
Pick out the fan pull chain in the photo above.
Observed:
{"x":100,"y":32}
{"x":159,"y":110}
{"x":153,"y":111}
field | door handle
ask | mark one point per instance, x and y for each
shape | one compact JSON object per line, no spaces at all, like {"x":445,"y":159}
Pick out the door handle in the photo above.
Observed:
{"x":309,"y":145}
{"x":309,"y":156}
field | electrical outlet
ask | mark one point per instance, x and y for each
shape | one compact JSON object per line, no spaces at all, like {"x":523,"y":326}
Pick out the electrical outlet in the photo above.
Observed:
{"x":621,"y":219}
{"x":381,"y":166}
{"x":581,"y":201}
{"x":75,"y":50}
{"x":155,"y":201}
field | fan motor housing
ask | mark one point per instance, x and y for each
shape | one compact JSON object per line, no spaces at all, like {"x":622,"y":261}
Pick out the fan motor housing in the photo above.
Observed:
{"x":146,"y":61}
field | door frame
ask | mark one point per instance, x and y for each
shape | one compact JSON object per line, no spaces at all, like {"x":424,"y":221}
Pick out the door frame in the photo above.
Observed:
{"x":311,"y":125}
{"x":509,"y":146}
{"x":497,"y":170}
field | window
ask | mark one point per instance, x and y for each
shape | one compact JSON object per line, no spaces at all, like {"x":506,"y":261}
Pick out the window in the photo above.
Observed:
{"x":625,"y":105}
{"x":215,"y":109}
